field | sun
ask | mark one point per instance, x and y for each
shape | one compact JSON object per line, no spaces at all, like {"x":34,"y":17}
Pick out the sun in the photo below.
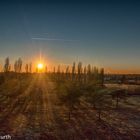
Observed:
{"x":40,"y":66}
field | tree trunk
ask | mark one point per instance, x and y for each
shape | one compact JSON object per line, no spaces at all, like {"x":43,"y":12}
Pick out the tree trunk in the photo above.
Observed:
{"x":117,"y":102}
{"x":94,"y":106}
{"x":69,"y":115}
{"x":99,"y":114}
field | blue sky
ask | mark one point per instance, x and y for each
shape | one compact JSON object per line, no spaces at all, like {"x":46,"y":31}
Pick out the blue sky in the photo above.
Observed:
{"x":105,"y":34}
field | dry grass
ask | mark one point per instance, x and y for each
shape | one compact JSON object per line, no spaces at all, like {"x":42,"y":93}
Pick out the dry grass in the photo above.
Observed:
{"x":37,"y":113}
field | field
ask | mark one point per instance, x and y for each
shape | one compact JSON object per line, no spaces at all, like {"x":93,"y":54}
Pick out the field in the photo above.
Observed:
{"x":34,"y":106}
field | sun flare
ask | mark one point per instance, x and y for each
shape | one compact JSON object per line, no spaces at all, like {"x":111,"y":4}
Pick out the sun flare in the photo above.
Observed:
{"x":40,"y":66}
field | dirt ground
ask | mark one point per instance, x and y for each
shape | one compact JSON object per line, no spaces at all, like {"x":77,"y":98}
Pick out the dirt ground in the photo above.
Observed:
{"x":30,"y":110}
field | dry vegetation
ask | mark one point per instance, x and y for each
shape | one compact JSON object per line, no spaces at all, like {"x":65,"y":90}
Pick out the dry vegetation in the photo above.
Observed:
{"x":70,"y":105}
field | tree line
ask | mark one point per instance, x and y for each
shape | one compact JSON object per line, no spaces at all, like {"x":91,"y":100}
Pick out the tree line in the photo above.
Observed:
{"x":17,"y":66}
{"x":77,"y":83}
{"x":79,"y":73}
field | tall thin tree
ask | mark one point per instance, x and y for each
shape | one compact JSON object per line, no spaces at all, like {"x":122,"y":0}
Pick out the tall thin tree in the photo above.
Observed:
{"x":7,"y":65}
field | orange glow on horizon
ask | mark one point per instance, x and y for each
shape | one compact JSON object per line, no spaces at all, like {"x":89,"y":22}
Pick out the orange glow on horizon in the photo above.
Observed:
{"x":121,"y":71}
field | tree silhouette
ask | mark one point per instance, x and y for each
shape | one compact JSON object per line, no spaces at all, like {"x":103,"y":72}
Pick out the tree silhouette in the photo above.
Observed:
{"x":117,"y":95}
{"x":46,"y":69}
{"x":97,"y":97}
{"x":26,"y":68}
{"x":102,"y":76}
{"x":70,"y":97}
{"x":89,"y":72}
{"x":19,"y":65}
{"x":54,"y":70}
{"x":79,"y":71}
{"x":16,"y":66}
{"x":67,"y":72}
{"x":58,"y":69}
{"x":30,"y":67}
{"x":73,"y":71}
{"x":96,"y":74}
{"x":7,"y":65}
{"x":85,"y":74}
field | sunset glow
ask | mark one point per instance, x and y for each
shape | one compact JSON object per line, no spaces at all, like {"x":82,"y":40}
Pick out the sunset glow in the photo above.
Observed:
{"x":40,"y":66}
{"x":70,"y":69}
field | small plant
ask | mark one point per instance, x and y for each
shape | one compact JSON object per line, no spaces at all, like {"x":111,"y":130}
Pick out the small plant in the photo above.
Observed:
{"x":117,"y":95}
{"x":70,"y":97}
{"x":96,"y":96}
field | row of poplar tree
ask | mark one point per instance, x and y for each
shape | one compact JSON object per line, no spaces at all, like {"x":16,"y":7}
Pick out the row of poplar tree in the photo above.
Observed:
{"x":79,"y":73}
{"x":17,"y":66}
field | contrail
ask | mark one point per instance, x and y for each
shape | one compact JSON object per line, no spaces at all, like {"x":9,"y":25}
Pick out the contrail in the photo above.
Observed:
{"x":40,"y":34}
{"x":51,"y":39}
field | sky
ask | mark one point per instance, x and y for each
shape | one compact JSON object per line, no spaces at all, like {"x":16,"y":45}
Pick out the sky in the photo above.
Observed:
{"x":102,"y":33}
